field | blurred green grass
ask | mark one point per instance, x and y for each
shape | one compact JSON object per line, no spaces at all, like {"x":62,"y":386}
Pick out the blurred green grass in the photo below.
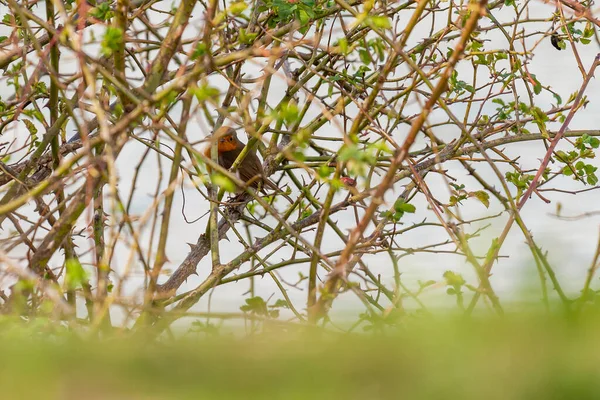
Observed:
{"x":525,"y":356}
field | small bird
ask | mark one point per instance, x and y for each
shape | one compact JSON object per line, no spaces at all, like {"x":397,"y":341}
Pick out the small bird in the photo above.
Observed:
{"x":250,"y":169}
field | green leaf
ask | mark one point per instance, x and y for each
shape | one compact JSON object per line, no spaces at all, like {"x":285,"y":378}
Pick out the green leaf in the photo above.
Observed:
{"x":237,"y":8}
{"x":537,"y":88}
{"x":255,"y":305}
{"x":592,"y":141}
{"x":113,"y":39}
{"x":301,"y":137}
{"x":223,"y":182}
{"x":483,"y":197}
{"x":343,"y":45}
{"x":567,"y":171}
{"x":365,"y":57}
{"x":280,"y":303}
{"x":558,"y":98}
{"x":306,"y":214}
{"x":349,"y":152}
{"x":283,"y":9}
{"x":199,"y":51}
{"x":453,"y":279}
{"x":380,"y":21}
{"x":206,"y":92}
{"x":324,"y":171}
{"x":76,"y":275}
{"x":289,"y":112}
{"x":247,"y":38}
{"x":102,"y":11}
{"x":492,"y":250}
{"x":401,"y":206}
{"x":303,"y":17}
{"x":32,"y":130}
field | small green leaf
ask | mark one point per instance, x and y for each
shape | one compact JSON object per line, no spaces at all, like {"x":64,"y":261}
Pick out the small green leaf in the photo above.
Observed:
{"x":558,"y":98}
{"x":113,"y":39}
{"x":343,"y":45}
{"x":223,"y":182}
{"x":483,"y":197}
{"x":247,"y":38}
{"x":350,"y":152}
{"x":453,"y":279}
{"x":237,"y":8}
{"x":401,"y":206}
{"x":380,"y":21}
{"x":289,"y":112}
{"x":32,"y":131}
{"x":76,"y":275}
{"x":255,"y":305}
{"x":199,"y":51}
{"x":365,"y":57}
{"x":537,"y":88}
{"x":567,"y":171}
{"x":324,"y":171}
{"x":102,"y":11}
{"x":280,"y":303}
{"x":205,"y":92}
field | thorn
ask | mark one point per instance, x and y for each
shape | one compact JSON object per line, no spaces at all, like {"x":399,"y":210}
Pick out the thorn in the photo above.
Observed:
{"x":192,"y":246}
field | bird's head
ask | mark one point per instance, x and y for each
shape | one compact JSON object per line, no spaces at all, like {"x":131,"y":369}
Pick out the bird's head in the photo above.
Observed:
{"x":227,"y":139}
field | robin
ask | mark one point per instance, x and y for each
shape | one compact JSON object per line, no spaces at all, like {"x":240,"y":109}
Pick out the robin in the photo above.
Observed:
{"x":250,"y":169}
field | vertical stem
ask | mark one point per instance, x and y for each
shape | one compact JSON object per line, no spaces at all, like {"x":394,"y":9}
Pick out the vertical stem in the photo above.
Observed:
{"x":120,"y":21}
{"x":53,"y":105}
{"x":313,"y":315}
{"x":161,"y":255}
{"x":590,"y":275}
{"x":102,"y":269}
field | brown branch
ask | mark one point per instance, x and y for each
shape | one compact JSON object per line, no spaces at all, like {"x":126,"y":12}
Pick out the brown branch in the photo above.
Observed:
{"x":343,"y":264}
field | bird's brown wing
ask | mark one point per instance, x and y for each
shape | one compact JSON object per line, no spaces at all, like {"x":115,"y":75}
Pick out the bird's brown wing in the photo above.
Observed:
{"x":250,"y":170}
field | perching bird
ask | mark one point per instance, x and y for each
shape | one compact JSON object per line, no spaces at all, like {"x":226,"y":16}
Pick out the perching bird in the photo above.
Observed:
{"x":250,"y":169}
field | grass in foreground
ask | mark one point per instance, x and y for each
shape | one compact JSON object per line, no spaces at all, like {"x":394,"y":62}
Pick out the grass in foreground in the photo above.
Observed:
{"x":519,"y":357}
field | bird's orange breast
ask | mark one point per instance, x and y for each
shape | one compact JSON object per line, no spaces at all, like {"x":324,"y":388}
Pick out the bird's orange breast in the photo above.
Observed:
{"x":227,"y":146}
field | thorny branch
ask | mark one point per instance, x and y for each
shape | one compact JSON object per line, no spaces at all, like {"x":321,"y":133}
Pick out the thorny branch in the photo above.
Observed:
{"x":348,"y":102}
